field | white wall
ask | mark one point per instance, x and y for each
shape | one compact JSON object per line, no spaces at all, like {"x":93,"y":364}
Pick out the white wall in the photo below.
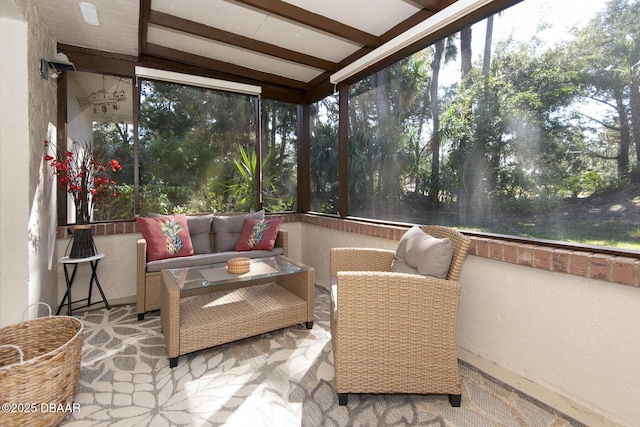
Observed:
{"x":117,"y":271}
{"x":579,"y":337}
{"x":576,"y":336}
{"x":14,"y":127}
{"x":317,"y":241}
{"x":27,"y":118}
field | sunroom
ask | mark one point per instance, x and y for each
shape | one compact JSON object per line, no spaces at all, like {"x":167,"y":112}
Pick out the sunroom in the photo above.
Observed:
{"x":515,"y":122}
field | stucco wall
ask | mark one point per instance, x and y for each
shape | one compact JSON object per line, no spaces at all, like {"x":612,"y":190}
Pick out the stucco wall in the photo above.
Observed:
{"x":117,"y":271}
{"x":577,"y":336}
{"x":27,"y":118}
{"x":319,"y":240}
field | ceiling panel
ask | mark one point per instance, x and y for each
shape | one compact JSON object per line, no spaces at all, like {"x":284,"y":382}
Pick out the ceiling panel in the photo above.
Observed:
{"x":118,"y":30}
{"x":249,"y":22}
{"x":230,"y":54}
{"x":372,"y":16}
{"x":221,"y":14}
{"x":286,"y":45}
{"x":283,"y":33}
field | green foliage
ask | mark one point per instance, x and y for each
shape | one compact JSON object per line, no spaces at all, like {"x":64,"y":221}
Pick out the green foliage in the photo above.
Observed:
{"x":279,"y":139}
{"x":585,"y":182}
{"x":243,"y":189}
{"x":323,"y":160}
{"x":511,"y":139}
{"x":189,"y":137}
{"x":114,"y":208}
{"x":154,"y":200}
{"x":195,"y":153}
{"x":386,"y":155}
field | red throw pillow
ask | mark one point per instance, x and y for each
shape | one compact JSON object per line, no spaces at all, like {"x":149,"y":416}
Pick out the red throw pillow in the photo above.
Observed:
{"x":258,"y":234}
{"x":166,"y":236}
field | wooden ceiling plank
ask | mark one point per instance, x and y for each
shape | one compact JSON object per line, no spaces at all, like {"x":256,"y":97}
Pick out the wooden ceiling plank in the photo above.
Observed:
{"x":143,"y":24}
{"x":314,"y":20}
{"x":433,"y":5}
{"x":198,"y":29}
{"x":90,"y":60}
{"x":225,"y":67}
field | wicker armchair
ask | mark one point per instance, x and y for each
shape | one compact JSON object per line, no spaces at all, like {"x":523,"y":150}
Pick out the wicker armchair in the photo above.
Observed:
{"x":395,"y":332}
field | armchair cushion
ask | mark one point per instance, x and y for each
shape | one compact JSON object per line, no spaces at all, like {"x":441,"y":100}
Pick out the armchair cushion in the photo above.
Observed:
{"x":421,"y":253}
{"x":400,"y":266}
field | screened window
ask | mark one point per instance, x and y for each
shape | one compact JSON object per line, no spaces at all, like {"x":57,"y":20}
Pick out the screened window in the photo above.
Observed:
{"x":100,"y":117}
{"x":527,"y":124}
{"x":115,"y":141}
{"x":279,"y":155}
{"x":324,"y":155}
{"x":197,"y":149}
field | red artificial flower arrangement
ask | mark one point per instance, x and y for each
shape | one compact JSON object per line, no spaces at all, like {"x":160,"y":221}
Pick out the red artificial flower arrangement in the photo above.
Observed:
{"x":83,"y":176}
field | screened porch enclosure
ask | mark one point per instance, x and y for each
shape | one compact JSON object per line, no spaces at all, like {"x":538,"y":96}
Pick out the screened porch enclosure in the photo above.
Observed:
{"x":501,"y":128}
{"x":516,"y":123}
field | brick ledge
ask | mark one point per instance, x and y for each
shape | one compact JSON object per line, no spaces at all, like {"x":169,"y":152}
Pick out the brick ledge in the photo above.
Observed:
{"x":610,"y":268}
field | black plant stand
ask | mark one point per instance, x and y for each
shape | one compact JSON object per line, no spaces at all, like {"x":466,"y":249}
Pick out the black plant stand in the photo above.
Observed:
{"x":93,"y":261}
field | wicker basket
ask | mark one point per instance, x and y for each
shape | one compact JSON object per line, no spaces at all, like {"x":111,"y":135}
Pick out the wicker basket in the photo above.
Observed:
{"x":238,"y":265}
{"x":39,"y":370}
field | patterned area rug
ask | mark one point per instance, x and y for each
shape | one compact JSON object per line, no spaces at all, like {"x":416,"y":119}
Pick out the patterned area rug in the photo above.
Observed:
{"x":283,"y":378}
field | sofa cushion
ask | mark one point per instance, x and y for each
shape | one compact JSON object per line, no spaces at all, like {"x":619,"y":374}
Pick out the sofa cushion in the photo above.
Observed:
{"x":425,"y":254}
{"x":227,"y":229}
{"x":206,"y":259}
{"x":166,"y":236}
{"x":258,"y":234}
{"x":200,"y":232}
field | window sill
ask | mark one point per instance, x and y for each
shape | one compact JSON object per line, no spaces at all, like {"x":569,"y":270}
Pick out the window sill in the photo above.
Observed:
{"x":600,"y":265}
{"x":604,"y":265}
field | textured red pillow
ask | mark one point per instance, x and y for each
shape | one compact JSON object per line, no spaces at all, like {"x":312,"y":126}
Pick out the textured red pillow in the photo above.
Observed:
{"x":166,"y":236}
{"x":258,"y":234}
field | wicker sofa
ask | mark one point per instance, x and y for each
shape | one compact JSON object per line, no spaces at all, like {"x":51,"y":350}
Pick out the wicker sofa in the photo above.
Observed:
{"x":395,"y":332}
{"x":148,"y":275}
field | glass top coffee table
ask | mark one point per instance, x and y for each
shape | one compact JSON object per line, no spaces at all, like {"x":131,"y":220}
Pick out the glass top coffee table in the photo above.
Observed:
{"x":205,"y":306}
{"x":189,"y":278}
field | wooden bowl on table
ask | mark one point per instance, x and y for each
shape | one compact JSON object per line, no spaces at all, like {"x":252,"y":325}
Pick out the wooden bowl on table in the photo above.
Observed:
{"x":238,"y":265}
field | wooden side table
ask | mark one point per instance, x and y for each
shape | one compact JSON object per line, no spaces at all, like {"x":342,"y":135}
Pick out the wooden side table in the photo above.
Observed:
{"x":93,"y":261}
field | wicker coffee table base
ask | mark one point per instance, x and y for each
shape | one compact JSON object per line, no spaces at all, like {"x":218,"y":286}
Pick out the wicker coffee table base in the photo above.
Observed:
{"x":212,"y":316}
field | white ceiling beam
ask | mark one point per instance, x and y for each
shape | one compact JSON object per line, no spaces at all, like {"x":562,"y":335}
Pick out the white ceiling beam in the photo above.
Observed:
{"x":446,"y":16}
{"x":191,"y":80}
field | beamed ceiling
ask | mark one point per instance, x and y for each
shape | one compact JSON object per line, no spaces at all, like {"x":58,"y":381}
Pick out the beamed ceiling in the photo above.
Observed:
{"x":290,"y":47}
